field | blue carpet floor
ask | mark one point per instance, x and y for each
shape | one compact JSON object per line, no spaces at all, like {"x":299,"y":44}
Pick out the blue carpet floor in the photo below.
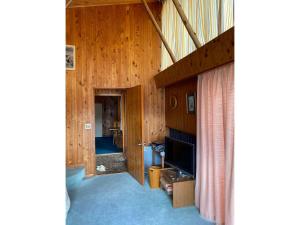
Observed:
{"x":74,"y":177}
{"x":104,"y":145}
{"x":117,"y":199}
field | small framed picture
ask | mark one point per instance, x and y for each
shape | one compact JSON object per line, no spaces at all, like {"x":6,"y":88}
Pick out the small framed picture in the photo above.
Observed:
{"x":191,"y":102}
{"x":70,"y":57}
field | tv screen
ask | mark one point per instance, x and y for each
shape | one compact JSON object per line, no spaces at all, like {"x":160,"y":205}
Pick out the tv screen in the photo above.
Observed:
{"x":181,"y":155}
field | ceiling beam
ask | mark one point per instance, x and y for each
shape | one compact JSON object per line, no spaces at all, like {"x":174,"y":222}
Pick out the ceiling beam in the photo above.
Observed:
{"x":162,"y":37}
{"x":68,"y":3}
{"x":220,"y":18}
{"x":187,"y":24}
{"x":215,"y":53}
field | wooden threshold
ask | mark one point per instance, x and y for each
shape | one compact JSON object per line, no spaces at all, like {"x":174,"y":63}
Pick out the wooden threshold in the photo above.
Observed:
{"x":217,"y":52}
{"x":106,"y":154}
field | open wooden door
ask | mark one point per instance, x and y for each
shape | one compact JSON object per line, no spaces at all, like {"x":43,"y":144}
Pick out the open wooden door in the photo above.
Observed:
{"x":134,"y":107}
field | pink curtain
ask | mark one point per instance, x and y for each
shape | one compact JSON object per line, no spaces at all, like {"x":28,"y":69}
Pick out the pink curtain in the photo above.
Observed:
{"x":215,"y":144}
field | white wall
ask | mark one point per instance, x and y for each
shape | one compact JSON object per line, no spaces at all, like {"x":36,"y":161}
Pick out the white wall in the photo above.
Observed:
{"x":98,"y":119}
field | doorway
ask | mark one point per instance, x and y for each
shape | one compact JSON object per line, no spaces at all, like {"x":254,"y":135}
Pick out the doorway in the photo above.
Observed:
{"x":108,"y":125}
{"x":109,"y":131}
{"x":123,"y":132}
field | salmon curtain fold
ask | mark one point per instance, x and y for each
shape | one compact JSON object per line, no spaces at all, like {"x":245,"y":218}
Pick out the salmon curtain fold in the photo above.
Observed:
{"x":215,"y":144}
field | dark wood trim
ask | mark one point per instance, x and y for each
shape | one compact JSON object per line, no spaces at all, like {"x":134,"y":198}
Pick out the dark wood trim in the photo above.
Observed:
{"x":95,"y":3}
{"x":215,"y":53}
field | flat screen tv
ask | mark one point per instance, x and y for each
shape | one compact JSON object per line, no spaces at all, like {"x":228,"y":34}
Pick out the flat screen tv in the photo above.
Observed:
{"x":181,"y":155}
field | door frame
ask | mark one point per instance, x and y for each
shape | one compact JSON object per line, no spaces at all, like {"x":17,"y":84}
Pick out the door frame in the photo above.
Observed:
{"x":109,"y":92}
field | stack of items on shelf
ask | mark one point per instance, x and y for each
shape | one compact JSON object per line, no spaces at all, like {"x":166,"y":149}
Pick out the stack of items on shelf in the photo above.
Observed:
{"x":168,"y":177}
{"x":168,"y":187}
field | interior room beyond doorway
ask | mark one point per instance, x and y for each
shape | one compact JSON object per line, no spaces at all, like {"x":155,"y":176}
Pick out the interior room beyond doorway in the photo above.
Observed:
{"x":108,"y":125}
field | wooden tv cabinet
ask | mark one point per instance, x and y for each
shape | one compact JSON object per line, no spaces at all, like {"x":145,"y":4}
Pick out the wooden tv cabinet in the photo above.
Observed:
{"x":183,"y":187}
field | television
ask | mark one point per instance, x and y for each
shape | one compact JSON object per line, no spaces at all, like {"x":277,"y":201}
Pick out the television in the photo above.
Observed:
{"x":181,"y":155}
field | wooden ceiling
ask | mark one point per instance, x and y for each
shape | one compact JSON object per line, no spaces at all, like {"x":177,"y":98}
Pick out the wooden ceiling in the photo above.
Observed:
{"x":87,"y":3}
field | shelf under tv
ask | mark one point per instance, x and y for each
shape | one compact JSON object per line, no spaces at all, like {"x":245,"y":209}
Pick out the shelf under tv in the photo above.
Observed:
{"x":179,"y":186}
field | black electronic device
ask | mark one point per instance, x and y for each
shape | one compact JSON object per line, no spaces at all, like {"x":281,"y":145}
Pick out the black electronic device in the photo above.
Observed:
{"x":181,"y":155}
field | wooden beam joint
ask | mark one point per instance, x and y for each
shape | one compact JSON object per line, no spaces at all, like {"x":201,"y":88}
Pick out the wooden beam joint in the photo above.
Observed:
{"x":187,"y":24}
{"x":68,"y":3}
{"x":217,"y":52}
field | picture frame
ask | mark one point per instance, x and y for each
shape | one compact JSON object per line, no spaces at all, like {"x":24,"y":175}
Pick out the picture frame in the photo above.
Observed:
{"x":191,"y":103}
{"x":70,"y":57}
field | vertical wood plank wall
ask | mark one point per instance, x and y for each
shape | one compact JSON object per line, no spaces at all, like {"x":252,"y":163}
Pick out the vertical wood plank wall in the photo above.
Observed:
{"x":187,"y":122}
{"x":116,"y":47}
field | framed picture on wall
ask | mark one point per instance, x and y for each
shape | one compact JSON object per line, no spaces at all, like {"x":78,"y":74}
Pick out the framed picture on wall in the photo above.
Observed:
{"x":191,"y":102}
{"x":70,"y":57}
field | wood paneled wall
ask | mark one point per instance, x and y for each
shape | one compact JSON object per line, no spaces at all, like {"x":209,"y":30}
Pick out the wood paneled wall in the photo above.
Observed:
{"x":87,"y":3}
{"x":178,"y":118}
{"x":116,"y":47}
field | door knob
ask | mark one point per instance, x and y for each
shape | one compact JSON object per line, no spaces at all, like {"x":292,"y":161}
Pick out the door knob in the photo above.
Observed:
{"x":140,"y":144}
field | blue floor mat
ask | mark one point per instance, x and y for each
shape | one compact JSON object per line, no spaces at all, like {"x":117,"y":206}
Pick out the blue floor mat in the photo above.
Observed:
{"x":104,"y":145}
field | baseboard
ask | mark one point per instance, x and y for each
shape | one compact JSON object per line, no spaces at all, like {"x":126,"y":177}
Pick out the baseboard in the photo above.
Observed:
{"x":89,"y":175}
{"x":75,"y":166}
